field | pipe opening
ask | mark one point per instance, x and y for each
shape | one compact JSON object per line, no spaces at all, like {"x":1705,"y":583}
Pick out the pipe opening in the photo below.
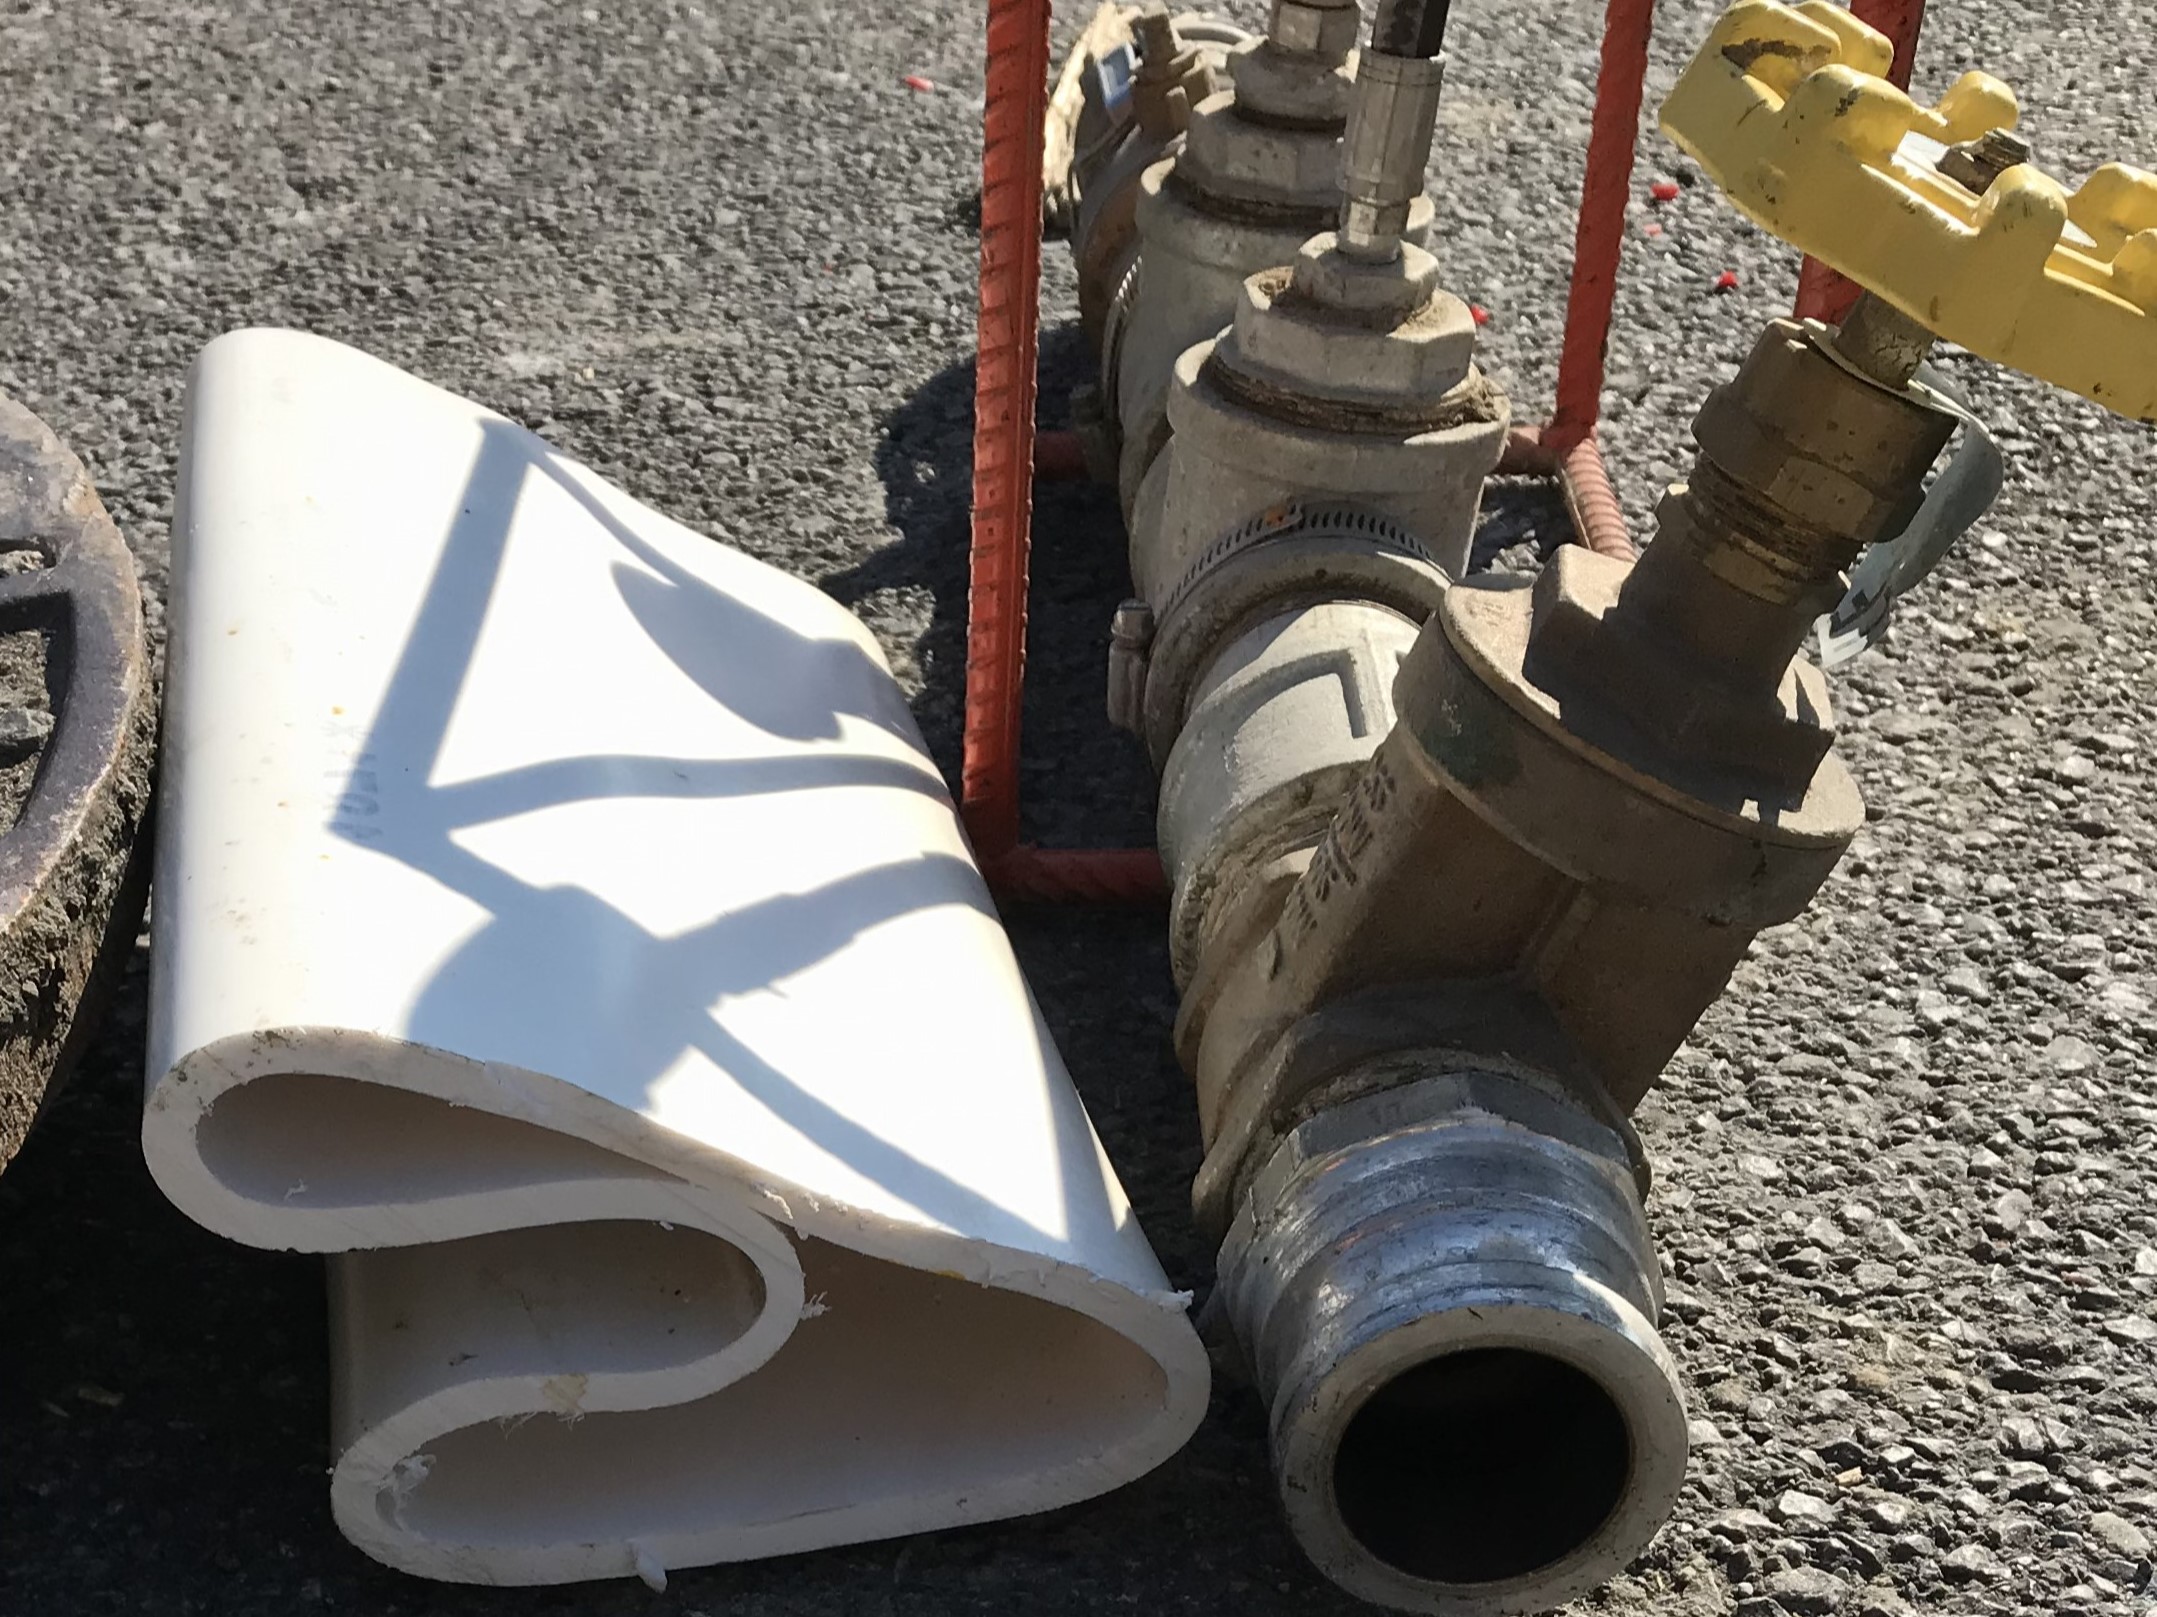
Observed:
{"x":1483,"y":1465}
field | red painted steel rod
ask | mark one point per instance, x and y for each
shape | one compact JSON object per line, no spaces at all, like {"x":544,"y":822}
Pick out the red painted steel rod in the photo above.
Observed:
{"x":1007,"y":350}
{"x":1007,"y":357}
{"x":1598,"y":518}
{"x":1900,"y":20}
{"x":1600,"y":234}
{"x":1822,"y":293}
{"x":1079,"y":875}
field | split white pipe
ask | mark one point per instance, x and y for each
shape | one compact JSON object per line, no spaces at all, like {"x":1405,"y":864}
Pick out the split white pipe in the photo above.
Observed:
{"x":559,"y":921}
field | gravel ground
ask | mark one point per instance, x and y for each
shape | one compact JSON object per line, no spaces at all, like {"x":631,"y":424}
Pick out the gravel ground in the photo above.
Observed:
{"x":724,"y":254}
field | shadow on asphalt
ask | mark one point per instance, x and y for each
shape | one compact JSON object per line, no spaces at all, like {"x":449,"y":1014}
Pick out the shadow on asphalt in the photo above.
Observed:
{"x":1081,"y":783}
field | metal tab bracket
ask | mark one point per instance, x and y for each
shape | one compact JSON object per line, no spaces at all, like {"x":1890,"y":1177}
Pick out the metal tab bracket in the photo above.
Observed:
{"x":1959,"y":497}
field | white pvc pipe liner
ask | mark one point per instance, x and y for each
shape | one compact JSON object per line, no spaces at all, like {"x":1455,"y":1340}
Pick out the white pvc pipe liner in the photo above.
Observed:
{"x":559,"y":921}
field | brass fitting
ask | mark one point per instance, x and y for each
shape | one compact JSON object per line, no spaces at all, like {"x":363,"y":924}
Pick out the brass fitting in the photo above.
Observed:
{"x":1172,"y":77}
{"x":1804,"y":460}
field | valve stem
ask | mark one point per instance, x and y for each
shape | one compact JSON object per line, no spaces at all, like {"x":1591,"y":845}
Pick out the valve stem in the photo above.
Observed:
{"x":1882,"y":343}
{"x":1877,"y":339}
{"x":1385,"y":154}
{"x":1975,"y":164}
{"x":1409,"y":27}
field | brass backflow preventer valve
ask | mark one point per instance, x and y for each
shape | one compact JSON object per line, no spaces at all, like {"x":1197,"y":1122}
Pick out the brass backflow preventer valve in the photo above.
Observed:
{"x":1417,"y":1047}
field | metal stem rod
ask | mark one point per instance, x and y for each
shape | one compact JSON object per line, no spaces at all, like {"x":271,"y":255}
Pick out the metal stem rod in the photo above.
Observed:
{"x":1386,"y":151}
{"x":1410,"y":27}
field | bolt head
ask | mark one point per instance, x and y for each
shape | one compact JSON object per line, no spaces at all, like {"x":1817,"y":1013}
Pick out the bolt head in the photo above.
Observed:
{"x":2007,"y":146}
{"x":1313,"y":29}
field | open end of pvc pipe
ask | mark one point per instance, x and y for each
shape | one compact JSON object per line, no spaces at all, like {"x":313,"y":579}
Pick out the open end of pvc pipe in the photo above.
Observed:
{"x":902,"y":1385}
{"x":570,"y":1396}
{"x":1482,"y":1466}
{"x":308,"y":1141}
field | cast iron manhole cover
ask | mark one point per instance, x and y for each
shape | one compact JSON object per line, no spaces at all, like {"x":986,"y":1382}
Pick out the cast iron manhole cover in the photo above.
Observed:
{"x":77,"y":737}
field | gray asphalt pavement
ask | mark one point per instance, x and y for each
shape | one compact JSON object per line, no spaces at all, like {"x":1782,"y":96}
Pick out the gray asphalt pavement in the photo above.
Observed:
{"x":724,"y":253}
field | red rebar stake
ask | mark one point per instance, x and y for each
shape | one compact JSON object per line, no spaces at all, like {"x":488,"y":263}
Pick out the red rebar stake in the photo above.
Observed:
{"x":1006,"y":355}
{"x":1567,"y":447}
{"x":1598,"y":239}
{"x":1822,"y":293}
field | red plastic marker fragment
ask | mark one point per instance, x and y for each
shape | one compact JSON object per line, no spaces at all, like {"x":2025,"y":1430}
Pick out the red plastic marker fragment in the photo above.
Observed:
{"x":914,"y":81}
{"x":1479,"y":314}
{"x":1664,"y":190}
{"x":1727,"y":281}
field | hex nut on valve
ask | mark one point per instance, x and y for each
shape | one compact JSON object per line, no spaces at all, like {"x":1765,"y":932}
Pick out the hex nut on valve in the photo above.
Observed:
{"x":1314,"y":28}
{"x":1283,"y":338}
{"x":1235,"y":158}
{"x":1975,"y":164}
{"x":1301,"y":70}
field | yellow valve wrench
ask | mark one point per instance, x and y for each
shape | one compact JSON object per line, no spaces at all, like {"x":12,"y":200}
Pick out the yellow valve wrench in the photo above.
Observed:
{"x":1786,"y":108}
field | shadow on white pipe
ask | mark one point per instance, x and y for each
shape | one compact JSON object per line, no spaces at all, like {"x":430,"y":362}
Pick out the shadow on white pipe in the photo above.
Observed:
{"x":559,"y":921}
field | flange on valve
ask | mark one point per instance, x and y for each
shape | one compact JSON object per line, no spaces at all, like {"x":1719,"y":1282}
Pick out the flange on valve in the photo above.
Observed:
{"x":1417,"y":1047}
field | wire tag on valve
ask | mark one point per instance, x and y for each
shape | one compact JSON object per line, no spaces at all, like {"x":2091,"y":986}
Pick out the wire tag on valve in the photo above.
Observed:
{"x":1959,"y":496}
{"x":1114,"y":72}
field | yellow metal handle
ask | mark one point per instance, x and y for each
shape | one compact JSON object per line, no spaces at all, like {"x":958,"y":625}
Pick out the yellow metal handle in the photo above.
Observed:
{"x":1786,"y":108}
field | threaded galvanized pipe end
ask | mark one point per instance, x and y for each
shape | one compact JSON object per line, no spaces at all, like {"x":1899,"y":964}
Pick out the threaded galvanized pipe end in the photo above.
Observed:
{"x":1446,"y":1294}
